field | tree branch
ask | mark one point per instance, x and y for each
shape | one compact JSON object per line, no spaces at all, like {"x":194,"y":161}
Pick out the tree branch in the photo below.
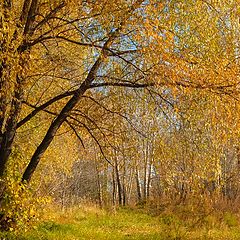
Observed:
{"x":121,"y":84}
{"x":48,"y":16}
{"x":31,"y":15}
{"x":74,"y":99}
{"x":76,"y":133}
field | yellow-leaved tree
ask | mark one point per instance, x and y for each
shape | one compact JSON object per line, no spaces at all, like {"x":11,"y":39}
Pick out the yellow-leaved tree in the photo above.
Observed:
{"x":60,"y":57}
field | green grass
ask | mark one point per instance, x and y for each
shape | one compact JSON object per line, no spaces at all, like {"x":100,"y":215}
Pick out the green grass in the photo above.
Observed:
{"x":92,"y":223}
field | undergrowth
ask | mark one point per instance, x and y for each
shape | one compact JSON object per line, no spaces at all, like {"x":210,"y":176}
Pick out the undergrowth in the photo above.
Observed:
{"x":90,"y":222}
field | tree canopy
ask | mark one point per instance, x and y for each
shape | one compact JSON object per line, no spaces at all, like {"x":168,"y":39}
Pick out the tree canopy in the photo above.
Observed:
{"x":161,"y":76}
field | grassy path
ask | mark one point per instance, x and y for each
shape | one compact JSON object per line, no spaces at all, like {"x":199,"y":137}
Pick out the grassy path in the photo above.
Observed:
{"x":95,"y":224}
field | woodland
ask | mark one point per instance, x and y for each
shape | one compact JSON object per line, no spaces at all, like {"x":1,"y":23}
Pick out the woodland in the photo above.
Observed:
{"x":124,"y":103}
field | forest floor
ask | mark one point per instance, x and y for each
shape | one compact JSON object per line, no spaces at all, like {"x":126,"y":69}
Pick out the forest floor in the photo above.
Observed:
{"x":90,"y":223}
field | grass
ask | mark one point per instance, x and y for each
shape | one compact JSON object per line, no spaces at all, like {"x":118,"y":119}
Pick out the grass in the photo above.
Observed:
{"x":91,"y":223}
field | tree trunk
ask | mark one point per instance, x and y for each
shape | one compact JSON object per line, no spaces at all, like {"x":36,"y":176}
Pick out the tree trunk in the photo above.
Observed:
{"x":118,"y":184}
{"x":99,"y":185}
{"x":56,"y":124}
{"x":146,"y":153}
{"x":11,"y":125}
{"x":13,"y":61}
{"x":139,"y":195}
{"x":124,"y":197}
{"x":130,"y":185}
{"x":113,"y":188}
{"x":149,"y":179}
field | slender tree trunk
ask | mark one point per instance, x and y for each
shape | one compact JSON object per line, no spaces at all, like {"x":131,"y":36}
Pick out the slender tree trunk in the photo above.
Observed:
{"x":118,"y":184}
{"x":130,"y":185}
{"x":146,"y":153}
{"x":139,"y":195}
{"x":124,"y":197}
{"x":99,"y":185}
{"x":100,"y":195}
{"x":113,"y":188}
{"x":149,"y":177}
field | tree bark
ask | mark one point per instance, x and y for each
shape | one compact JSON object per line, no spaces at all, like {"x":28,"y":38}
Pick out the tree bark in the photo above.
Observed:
{"x":99,"y":185}
{"x":119,"y":185}
{"x":113,"y":188}
{"x":7,"y":137}
{"x":8,"y":99}
{"x":139,"y":195}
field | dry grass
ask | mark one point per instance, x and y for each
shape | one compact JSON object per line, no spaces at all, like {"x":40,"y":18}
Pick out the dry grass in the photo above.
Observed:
{"x":90,"y":222}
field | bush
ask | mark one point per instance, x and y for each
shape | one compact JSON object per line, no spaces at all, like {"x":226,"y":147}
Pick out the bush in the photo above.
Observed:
{"x":19,"y":207}
{"x":230,"y":219}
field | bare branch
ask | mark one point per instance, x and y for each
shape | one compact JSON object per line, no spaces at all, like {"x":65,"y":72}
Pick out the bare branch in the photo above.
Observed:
{"x":49,"y":16}
{"x":97,"y":142}
{"x":76,"y":133}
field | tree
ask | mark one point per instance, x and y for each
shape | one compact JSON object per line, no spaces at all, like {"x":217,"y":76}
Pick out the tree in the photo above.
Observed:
{"x":28,"y":31}
{"x":59,"y":57}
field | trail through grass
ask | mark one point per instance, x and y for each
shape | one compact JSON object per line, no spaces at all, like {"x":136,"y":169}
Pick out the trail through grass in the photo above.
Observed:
{"x":95,"y":224}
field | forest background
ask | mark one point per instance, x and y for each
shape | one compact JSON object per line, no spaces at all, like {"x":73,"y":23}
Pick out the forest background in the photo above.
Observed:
{"x":120,"y":103}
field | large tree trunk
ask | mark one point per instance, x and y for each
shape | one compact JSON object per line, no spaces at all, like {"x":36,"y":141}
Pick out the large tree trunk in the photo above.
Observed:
{"x":10,"y":106}
{"x":56,"y":124}
{"x":8,"y":134}
{"x":13,"y":61}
